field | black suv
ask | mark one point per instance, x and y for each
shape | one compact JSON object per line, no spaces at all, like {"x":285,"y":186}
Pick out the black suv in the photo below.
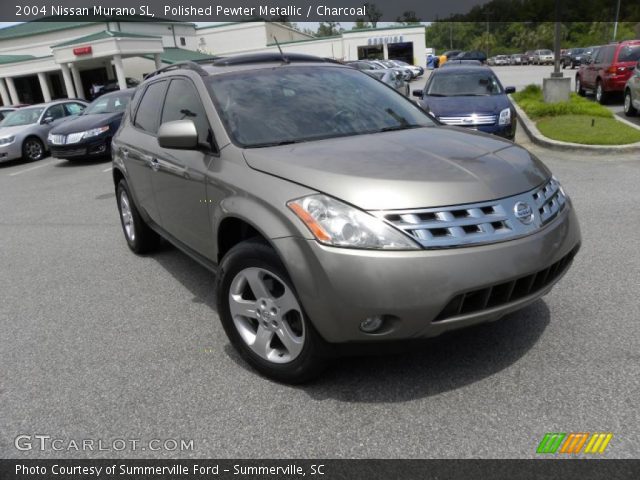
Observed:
{"x":572,"y":57}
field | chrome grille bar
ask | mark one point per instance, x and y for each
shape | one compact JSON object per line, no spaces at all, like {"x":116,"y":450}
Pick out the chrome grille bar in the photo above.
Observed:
{"x":480,"y":223}
{"x":469,"y":120}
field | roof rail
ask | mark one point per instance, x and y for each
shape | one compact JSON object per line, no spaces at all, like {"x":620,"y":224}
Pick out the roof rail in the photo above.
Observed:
{"x":268,"y":58}
{"x":188,"y":65}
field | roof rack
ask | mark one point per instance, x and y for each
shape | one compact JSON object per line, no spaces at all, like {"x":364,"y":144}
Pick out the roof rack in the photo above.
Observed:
{"x":179,"y":65}
{"x":269,"y":58}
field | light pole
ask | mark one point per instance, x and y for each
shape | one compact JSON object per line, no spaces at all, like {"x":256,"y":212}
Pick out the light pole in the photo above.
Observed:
{"x":615,"y":23}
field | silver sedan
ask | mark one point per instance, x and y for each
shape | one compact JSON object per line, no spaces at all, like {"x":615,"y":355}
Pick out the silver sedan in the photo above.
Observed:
{"x":23,"y":132}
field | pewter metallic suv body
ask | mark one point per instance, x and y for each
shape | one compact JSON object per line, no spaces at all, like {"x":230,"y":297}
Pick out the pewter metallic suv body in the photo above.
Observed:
{"x":483,"y":227}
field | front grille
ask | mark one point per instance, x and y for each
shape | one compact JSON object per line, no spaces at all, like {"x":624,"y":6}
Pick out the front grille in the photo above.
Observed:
{"x":504,"y":293}
{"x":58,"y":139}
{"x":480,"y":223}
{"x":469,"y":120}
{"x":67,"y":152}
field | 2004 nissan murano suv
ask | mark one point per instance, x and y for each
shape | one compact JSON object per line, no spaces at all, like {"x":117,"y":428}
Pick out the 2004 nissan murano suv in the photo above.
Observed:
{"x":333,"y":209}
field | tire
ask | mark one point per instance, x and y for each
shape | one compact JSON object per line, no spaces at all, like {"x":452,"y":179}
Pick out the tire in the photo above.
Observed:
{"x":32,"y":149}
{"x":139,"y":236}
{"x":564,"y":65}
{"x":579,"y":90}
{"x":629,"y":109}
{"x":282,"y":345}
{"x":601,"y":95}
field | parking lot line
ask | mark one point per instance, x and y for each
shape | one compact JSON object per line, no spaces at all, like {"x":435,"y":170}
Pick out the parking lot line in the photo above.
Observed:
{"x":29,"y":169}
{"x":106,"y":170}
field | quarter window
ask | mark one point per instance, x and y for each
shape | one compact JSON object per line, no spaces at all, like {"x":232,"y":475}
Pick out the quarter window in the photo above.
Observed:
{"x":148,"y":113}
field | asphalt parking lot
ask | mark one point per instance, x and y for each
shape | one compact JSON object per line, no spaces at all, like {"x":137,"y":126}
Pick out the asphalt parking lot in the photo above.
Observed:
{"x":99,"y":343}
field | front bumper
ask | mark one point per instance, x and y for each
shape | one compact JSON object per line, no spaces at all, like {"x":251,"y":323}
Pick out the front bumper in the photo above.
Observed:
{"x":98,"y":147}
{"x":339,"y":288}
{"x":11,"y":151}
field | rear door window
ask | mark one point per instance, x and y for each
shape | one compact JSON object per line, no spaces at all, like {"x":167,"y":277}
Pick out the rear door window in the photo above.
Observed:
{"x":148,"y":113}
{"x":73,"y":108}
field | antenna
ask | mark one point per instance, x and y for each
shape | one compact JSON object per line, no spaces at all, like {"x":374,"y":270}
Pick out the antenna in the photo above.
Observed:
{"x":284,"y":58}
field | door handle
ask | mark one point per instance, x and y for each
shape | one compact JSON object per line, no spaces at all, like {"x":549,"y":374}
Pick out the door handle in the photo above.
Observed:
{"x":155,"y":165}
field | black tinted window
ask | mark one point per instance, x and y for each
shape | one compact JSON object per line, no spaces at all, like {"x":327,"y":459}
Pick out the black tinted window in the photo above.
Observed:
{"x":183,"y":103}
{"x":299,"y":103}
{"x":629,"y":53}
{"x":148,"y":114}
{"x":55,"y":112}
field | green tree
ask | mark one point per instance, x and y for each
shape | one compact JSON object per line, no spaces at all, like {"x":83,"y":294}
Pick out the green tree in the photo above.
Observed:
{"x":374,"y":14}
{"x":328,"y":29}
{"x":408,"y":18}
{"x":360,"y":23}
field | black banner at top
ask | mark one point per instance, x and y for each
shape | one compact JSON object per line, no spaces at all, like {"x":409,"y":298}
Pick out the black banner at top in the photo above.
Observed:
{"x":371,"y":11}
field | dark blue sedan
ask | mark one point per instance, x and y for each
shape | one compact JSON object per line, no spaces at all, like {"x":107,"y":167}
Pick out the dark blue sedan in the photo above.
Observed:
{"x":89,"y":135}
{"x":469,"y":96}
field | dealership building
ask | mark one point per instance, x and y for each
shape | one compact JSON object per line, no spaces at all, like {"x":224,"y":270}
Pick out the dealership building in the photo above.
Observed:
{"x":41,"y":61}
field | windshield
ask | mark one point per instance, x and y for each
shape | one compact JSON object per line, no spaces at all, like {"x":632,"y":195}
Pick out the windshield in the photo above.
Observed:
{"x":299,"y":103}
{"x":24,"y":116}
{"x":546,"y":52}
{"x":464,"y":84}
{"x":629,"y":53}
{"x":109,"y":104}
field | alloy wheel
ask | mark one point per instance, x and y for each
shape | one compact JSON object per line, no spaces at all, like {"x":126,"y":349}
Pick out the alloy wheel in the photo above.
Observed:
{"x":599,"y":92}
{"x":34,"y":149}
{"x":267,"y":315}
{"x":627,"y":102}
{"x":127,"y":216}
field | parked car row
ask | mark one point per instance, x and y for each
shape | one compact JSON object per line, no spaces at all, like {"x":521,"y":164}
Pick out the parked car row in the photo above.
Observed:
{"x":68,"y":129}
{"x":409,"y":72}
{"x":607,"y":69}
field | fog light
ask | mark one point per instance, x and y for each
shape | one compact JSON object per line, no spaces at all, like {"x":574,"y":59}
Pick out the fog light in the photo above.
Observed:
{"x":372,"y":324}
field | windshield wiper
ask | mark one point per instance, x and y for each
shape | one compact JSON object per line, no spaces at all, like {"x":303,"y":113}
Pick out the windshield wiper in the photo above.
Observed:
{"x":398,"y":127}
{"x":273,"y":144}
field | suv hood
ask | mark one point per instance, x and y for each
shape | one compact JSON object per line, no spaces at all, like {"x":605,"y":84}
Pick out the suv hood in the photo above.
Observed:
{"x":418,"y":168}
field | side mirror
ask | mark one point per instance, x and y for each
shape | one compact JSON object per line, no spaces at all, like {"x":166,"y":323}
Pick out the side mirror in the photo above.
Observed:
{"x":418,"y":93}
{"x":179,"y":134}
{"x":47,"y":120}
{"x":509,"y":90}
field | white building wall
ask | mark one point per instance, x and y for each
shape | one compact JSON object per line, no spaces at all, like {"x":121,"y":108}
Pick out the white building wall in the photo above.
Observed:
{"x":283,"y":33}
{"x":170,"y":32}
{"x":232,"y":38}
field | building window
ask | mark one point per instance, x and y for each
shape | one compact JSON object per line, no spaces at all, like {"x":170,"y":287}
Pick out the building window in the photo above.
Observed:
{"x":183,"y":42}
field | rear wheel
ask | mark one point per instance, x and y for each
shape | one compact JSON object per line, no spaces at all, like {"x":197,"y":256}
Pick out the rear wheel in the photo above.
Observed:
{"x":579,"y":89}
{"x":32,"y":149}
{"x":139,"y":236}
{"x":262,"y":316}
{"x":601,"y":95}
{"x":629,"y":109}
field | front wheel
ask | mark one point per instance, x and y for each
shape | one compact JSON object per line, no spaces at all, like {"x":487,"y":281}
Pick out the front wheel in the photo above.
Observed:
{"x":262,"y":316}
{"x":629,"y":109}
{"x":32,"y":149}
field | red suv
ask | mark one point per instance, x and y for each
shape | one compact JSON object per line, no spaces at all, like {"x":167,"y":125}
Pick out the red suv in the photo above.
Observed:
{"x":609,"y":69}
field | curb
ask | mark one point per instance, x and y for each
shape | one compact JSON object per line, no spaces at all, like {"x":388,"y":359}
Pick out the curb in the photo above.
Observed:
{"x":536,"y":137}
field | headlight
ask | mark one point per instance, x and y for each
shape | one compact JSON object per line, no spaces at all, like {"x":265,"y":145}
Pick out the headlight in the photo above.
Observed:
{"x":95,"y":131}
{"x":7,"y":140}
{"x":337,"y":224}
{"x":505,"y":117}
